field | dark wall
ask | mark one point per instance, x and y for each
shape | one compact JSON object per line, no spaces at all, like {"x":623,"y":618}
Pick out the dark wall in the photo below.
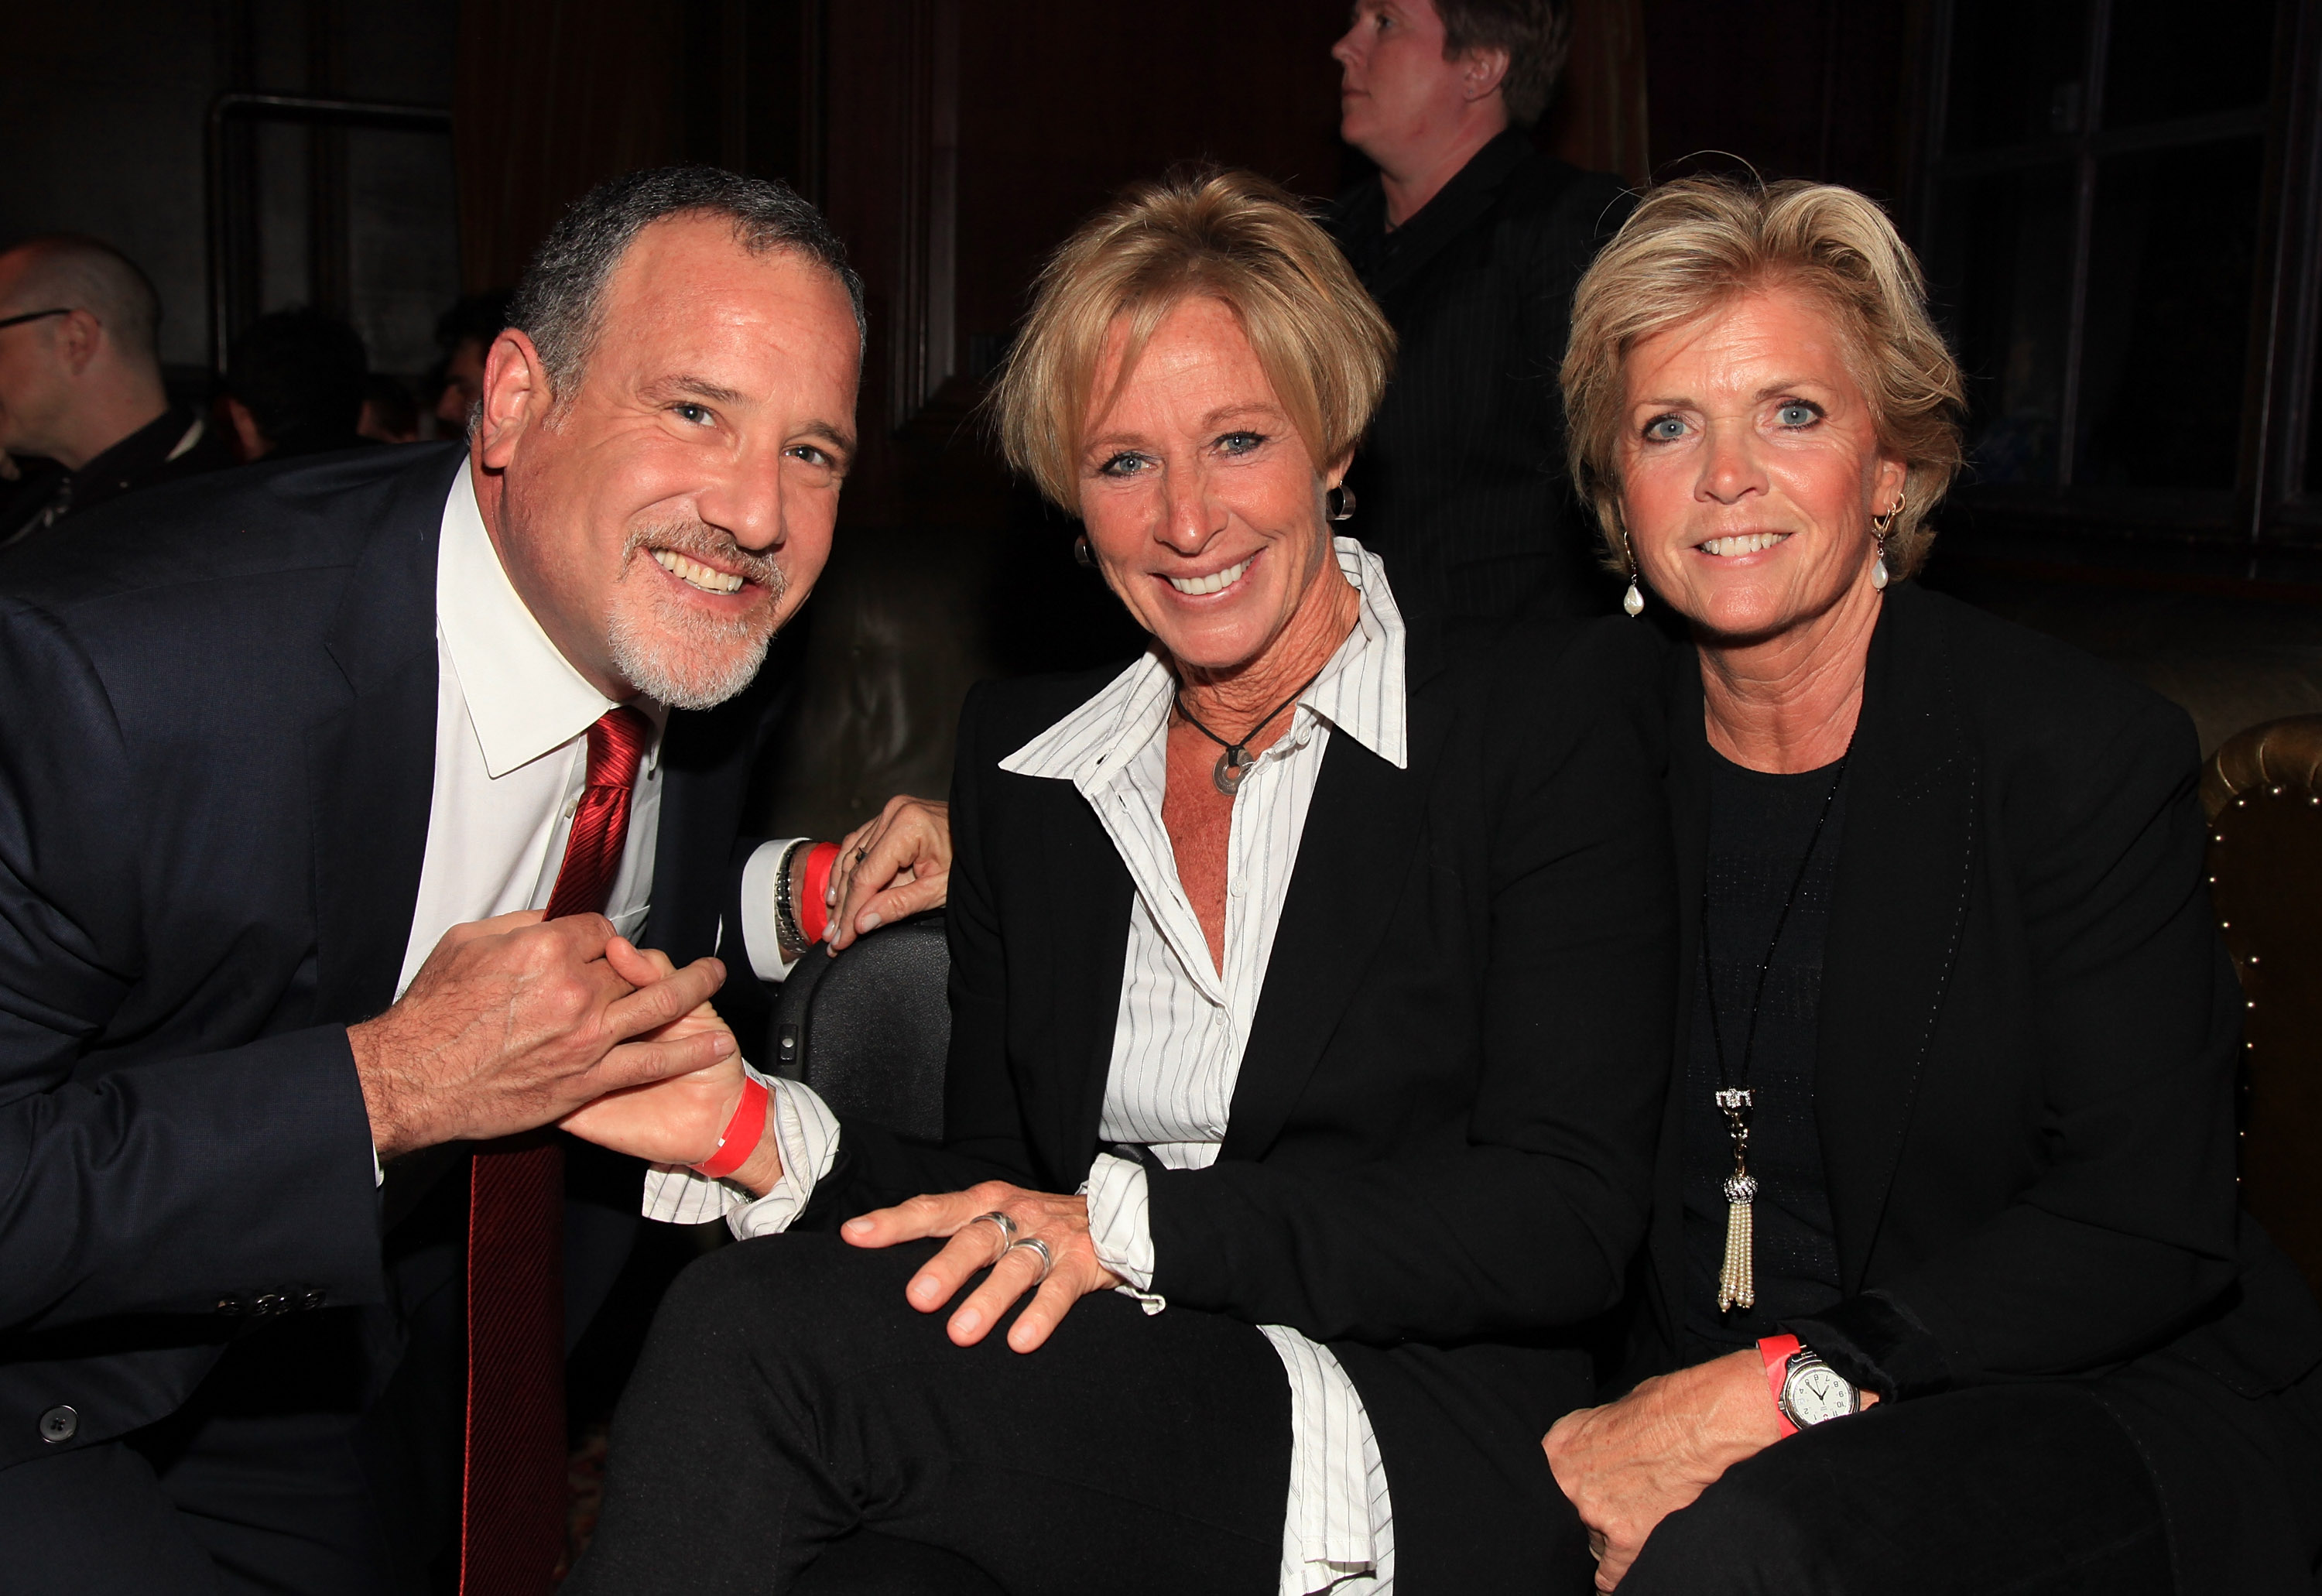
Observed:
{"x":103,"y":106}
{"x":1068,"y":104}
{"x":1812,"y":88}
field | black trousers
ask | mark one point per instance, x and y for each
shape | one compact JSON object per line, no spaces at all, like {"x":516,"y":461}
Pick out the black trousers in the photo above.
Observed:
{"x":790,"y":1398}
{"x":2012,"y":1490}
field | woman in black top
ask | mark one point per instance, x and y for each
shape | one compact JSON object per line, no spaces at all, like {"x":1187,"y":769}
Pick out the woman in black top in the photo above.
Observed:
{"x":1946,"y":1279}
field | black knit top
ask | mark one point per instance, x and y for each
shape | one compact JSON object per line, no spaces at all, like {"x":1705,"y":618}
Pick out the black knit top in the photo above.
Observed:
{"x":1760,"y":828}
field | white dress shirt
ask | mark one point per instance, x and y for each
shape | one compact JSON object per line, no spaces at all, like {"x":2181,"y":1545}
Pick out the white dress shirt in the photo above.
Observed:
{"x":1179,"y":1035}
{"x":512,"y":718}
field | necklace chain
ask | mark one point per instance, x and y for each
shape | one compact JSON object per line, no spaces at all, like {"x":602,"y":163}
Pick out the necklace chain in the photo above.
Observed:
{"x":1232,"y":764}
{"x":1758,"y":994}
{"x":1737,"y":1285}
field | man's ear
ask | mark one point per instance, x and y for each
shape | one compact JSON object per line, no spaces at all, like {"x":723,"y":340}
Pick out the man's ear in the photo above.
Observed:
{"x":78,"y":335}
{"x":516,"y":399}
{"x":1481,"y":72}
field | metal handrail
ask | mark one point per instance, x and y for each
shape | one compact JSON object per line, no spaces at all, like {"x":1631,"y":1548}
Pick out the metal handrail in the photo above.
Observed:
{"x":297,"y":108}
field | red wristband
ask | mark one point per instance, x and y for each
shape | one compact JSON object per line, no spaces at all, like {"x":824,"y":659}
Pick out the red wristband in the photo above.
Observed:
{"x":813,"y":913}
{"x":1778,"y":1350}
{"x":742,"y":1133}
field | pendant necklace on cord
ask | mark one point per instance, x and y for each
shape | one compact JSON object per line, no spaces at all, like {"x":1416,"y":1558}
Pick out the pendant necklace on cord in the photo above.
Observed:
{"x":1234,"y":763}
{"x":1737,"y":1285}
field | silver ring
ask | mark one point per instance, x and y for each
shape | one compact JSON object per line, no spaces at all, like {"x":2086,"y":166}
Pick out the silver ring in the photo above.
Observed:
{"x":1007,"y":1231}
{"x":1048,"y":1258}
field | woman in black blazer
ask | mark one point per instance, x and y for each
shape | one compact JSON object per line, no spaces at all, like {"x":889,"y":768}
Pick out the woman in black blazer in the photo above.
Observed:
{"x":1302,"y":1094}
{"x":1946,"y":1279}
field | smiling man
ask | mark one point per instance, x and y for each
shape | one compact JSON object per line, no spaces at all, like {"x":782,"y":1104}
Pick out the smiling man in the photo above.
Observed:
{"x":331,"y":797}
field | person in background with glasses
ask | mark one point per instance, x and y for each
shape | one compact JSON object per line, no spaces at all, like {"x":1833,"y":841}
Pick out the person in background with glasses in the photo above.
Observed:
{"x":83,"y":414}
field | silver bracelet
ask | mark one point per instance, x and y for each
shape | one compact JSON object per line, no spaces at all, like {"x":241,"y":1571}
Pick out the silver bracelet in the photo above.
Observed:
{"x":788,"y":932}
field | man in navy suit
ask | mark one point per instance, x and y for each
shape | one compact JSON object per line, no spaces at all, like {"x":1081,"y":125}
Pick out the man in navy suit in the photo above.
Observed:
{"x":336,"y":801}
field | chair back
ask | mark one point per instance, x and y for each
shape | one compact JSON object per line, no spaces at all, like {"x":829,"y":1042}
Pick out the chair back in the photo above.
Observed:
{"x":2262,"y":791}
{"x":869,"y":1030}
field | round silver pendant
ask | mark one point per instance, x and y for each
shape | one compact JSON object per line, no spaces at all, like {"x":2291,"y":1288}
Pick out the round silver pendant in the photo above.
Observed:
{"x":1229,"y":772}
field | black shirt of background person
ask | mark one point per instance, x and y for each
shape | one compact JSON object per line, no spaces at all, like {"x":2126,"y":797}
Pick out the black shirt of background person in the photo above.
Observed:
{"x":300,"y":375}
{"x":1460,"y":486}
{"x":177,"y":444}
{"x":1760,"y":827}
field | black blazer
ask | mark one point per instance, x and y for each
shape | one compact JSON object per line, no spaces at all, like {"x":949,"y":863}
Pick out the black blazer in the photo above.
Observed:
{"x":1460,"y":486}
{"x":216,"y":749}
{"x":2029,"y":1031}
{"x":1441,"y":1135}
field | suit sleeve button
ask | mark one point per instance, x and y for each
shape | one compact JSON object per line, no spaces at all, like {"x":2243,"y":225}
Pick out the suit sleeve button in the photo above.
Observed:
{"x":233,"y":1305}
{"x":312,"y":1300}
{"x":59,"y":1424}
{"x":271,"y":1302}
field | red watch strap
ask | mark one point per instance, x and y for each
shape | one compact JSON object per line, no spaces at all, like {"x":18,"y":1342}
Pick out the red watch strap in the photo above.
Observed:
{"x":813,"y":913}
{"x":742,"y":1133}
{"x":1778,"y":1350}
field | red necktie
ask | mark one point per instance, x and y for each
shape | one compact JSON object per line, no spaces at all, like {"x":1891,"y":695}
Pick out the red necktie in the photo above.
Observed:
{"x":513,"y":1493}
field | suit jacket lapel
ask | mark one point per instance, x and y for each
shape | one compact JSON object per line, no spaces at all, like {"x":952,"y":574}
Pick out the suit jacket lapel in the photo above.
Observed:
{"x":1904,"y":868}
{"x":372,"y":767}
{"x":1689,"y":792}
{"x":1086,"y":898}
{"x":1335,"y":919}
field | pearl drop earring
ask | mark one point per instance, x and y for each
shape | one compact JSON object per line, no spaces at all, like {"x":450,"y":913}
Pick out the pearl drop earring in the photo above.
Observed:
{"x":1634,"y":603}
{"x":1879,"y":528}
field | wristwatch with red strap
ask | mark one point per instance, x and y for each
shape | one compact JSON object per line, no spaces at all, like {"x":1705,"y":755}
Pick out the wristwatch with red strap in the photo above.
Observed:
{"x":1806,"y":1390}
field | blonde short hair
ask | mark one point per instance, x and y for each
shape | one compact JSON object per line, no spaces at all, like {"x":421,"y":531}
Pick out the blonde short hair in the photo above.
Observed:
{"x":1692,"y":246}
{"x":1234,"y":237}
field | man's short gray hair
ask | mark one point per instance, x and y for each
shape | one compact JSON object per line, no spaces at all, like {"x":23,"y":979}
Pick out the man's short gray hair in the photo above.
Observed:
{"x":75,"y":272}
{"x":560,"y":303}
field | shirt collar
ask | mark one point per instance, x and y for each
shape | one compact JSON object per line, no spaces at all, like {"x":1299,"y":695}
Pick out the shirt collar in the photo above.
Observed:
{"x":523,"y":697}
{"x":1360,"y":692}
{"x":157,"y":442}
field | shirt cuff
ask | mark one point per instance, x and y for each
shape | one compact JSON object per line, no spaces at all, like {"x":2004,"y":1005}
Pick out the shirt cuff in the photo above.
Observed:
{"x":760,"y":941}
{"x":808,"y":1131}
{"x":1119,"y":1227}
{"x":1877,"y":1343}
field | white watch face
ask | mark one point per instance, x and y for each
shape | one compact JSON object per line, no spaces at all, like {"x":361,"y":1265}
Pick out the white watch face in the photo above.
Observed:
{"x":1814,"y":1392}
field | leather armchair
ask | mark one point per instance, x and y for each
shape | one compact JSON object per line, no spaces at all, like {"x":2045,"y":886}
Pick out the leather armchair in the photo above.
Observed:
{"x":2262,"y":791}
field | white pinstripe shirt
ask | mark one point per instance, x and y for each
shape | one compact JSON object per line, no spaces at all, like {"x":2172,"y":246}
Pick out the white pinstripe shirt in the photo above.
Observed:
{"x":1178,"y":1040}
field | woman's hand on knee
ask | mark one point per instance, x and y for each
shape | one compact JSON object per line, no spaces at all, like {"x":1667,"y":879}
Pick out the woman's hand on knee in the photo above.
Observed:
{"x":1629,"y":1464}
{"x":1067,"y":1271}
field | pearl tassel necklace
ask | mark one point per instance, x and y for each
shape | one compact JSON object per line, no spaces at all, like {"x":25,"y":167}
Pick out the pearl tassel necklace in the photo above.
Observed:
{"x":1737,"y":1285}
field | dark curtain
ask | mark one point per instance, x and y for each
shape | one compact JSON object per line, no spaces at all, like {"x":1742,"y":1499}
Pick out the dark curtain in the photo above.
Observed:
{"x":1598,"y":121}
{"x":552,"y":97}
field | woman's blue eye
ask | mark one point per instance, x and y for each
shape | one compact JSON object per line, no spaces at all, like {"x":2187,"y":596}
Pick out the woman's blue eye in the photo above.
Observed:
{"x":1241,"y":443}
{"x":1798,"y":412}
{"x":1122,"y":465}
{"x":1661,"y":429}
